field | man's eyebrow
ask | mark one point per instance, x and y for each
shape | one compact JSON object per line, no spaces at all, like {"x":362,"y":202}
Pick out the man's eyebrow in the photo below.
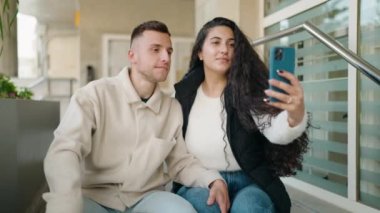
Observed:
{"x":156,"y":45}
{"x":159,"y":45}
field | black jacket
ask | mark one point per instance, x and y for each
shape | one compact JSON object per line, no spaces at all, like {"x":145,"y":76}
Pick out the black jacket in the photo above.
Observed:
{"x":247,"y":147}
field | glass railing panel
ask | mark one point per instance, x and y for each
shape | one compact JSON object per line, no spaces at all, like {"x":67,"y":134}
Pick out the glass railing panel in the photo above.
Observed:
{"x":324,"y":77}
{"x":369,"y":103}
{"x":272,"y":6}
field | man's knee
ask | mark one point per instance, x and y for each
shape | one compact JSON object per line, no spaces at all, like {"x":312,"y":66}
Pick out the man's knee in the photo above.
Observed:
{"x":90,"y":206}
{"x":175,"y":203}
{"x":164,"y":202}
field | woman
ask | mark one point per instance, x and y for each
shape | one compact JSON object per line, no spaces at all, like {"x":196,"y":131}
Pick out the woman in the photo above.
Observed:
{"x":230,"y":124}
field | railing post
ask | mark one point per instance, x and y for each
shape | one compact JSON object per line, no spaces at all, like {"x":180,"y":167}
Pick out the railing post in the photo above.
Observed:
{"x":353,"y":121}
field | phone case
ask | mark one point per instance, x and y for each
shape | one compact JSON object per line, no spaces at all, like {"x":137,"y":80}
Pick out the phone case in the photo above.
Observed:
{"x":280,"y":58}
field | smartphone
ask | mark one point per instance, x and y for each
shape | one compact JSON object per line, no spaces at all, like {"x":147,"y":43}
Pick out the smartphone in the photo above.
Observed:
{"x":280,"y":58}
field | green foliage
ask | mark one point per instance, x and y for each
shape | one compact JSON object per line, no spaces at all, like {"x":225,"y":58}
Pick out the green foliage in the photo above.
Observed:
{"x":9,"y":90}
{"x":7,"y":18}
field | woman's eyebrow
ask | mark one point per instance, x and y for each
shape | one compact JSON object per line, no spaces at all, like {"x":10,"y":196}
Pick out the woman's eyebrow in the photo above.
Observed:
{"x":217,"y":37}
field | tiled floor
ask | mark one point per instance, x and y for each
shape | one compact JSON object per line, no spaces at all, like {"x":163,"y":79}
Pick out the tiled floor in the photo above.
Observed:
{"x":306,"y":203}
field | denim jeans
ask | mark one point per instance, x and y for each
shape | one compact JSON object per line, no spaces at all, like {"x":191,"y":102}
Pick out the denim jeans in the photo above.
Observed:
{"x":245,"y":195}
{"x":156,"y":202}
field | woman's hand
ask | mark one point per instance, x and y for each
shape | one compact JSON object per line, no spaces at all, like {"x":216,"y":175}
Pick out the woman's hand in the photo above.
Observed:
{"x":293,"y":102}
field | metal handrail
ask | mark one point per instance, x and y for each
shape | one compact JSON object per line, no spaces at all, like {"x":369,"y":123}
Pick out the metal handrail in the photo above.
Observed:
{"x":39,"y":81}
{"x":366,"y":68}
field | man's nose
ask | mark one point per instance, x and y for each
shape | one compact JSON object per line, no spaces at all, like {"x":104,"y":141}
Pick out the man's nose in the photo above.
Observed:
{"x":165,"y":56}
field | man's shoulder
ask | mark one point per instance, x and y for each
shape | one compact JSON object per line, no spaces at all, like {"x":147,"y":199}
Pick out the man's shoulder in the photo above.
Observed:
{"x":97,"y":88}
{"x":169,"y":96}
{"x":101,"y":84}
{"x":170,"y":101}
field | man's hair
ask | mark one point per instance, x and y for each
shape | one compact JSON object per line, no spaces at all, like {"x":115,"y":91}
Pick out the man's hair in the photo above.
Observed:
{"x":149,"y":25}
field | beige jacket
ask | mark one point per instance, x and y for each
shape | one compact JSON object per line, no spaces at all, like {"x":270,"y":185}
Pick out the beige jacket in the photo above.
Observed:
{"x":111,"y":147}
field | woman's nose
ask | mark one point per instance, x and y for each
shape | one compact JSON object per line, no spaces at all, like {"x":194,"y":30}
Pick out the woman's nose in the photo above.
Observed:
{"x":223,"y":49}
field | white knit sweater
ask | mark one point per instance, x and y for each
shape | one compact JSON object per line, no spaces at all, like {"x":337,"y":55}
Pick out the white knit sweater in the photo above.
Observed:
{"x":207,"y":140}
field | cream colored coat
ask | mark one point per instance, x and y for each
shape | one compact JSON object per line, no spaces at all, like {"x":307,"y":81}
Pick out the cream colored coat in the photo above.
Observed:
{"x":111,"y":147}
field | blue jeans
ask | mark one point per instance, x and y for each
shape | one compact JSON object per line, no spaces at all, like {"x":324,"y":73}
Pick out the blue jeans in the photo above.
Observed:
{"x":156,"y":202}
{"x":245,"y":195}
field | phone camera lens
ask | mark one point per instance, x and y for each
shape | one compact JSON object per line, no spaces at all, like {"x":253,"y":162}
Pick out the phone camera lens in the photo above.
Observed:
{"x":278,"y":54}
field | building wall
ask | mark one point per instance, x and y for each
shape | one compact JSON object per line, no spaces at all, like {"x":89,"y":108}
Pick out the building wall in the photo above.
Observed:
{"x":251,"y":21}
{"x":251,"y":16}
{"x":120,"y":17}
{"x":64,"y":56}
{"x":205,"y":10}
{"x":248,"y":14}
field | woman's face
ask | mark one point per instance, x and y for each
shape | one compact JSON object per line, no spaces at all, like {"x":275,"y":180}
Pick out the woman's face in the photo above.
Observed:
{"x":217,"y":50}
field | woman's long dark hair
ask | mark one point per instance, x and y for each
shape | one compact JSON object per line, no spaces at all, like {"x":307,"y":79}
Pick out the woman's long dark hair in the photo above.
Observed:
{"x":247,"y":80}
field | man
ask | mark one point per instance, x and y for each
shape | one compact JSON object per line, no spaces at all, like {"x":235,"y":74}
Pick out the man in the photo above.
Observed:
{"x":117,"y":136}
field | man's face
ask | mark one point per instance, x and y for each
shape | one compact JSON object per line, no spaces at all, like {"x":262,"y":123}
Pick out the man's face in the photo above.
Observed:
{"x":150,"y":55}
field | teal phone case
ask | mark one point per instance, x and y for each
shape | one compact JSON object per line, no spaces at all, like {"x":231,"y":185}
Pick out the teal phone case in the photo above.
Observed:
{"x":280,"y":58}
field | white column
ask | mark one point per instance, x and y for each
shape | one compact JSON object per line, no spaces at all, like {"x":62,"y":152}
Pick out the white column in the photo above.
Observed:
{"x":205,"y":10}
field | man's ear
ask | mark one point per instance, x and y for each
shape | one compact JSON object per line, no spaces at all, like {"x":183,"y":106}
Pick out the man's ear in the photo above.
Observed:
{"x":131,"y":56}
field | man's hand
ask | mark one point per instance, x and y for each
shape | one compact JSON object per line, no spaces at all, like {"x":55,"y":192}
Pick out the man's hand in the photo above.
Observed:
{"x":219,"y":193}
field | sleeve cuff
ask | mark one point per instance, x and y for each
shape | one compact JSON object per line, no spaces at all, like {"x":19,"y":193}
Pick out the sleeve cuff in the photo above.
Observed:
{"x":281,"y":133}
{"x":210,"y":179}
{"x":72,"y":202}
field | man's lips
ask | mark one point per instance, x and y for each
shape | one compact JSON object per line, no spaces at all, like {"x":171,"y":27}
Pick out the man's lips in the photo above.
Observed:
{"x":162,"y":67}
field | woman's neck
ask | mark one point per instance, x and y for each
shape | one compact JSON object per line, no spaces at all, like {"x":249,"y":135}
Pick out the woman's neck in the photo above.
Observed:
{"x":214,"y":84}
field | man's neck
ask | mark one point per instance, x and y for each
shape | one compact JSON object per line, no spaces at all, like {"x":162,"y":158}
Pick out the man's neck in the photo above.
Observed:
{"x":143,"y":87}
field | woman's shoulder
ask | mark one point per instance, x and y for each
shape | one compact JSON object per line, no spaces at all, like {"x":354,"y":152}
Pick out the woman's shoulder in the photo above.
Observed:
{"x":189,"y":83}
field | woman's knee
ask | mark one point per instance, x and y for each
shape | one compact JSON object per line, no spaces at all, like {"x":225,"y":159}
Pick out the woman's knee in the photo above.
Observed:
{"x":252,"y":199}
{"x":198,"y":198}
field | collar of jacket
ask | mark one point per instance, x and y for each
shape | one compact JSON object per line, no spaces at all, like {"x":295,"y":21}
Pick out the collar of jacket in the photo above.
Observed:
{"x":191,"y":82}
{"x":155,"y":101}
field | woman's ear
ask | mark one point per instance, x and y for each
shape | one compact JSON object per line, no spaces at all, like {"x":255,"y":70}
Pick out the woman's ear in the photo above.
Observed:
{"x":200,"y":56}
